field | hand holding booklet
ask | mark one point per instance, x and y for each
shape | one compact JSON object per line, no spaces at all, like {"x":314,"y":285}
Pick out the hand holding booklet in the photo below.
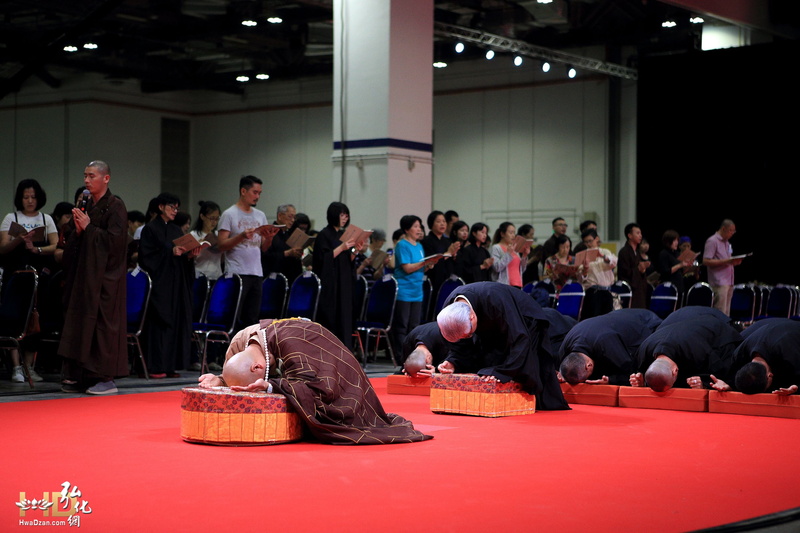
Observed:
{"x":189,"y":243}
{"x":18,"y":230}
{"x":299,"y":239}
{"x":355,"y":234}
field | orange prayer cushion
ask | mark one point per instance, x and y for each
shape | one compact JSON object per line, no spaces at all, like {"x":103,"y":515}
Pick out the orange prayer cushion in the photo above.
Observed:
{"x":225,"y":417}
{"x":588,"y":394}
{"x":466,"y":394}
{"x":672,"y":399}
{"x":402,"y":384}
{"x":766,"y":404}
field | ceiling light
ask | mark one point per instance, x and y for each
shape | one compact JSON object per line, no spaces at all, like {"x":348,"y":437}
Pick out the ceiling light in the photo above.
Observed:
{"x":544,"y":1}
{"x":669,"y":24}
{"x":242,"y":79}
{"x":489,"y":54}
{"x":70,"y":48}
{"x":262,"y":76}
{"x":571,"y":72}
{"x":90,"y":46}
{"x":439,"y":64}
{"x":517,"y":61}
{"x":249,"y":23}
{"x":696,"y":20}
{"x":459,"y":47}
{"x":274,"y":20}
{"x":545,"y":66}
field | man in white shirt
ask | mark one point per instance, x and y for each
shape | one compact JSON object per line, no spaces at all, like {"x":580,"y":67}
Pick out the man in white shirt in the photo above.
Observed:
{"x":242,"y":237}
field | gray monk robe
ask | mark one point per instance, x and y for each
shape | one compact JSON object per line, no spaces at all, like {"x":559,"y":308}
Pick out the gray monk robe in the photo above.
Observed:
{"x":325,"y":385}
{"x":511,"y":341}
{"x":95,"y":323}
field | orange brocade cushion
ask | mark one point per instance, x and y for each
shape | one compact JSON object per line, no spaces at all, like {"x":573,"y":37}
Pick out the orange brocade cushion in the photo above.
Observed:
{"x":402,"y":384}
{"x":672,"y":399}
{"x":766,"y":404}
{"x":466,"y":394}
{"x":225,"y":417}
{"x":589,"y":394}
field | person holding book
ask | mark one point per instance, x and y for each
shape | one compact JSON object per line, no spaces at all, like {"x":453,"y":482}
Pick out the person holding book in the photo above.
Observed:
{"x":560,"y":267}
{"x":409,"y":271}
{"x":719,"y":262}
{"x":508,"y":266}
{"x":168,"y":325}
{"x":459,"y":233}
{"x":672,"y":263}
{"x":438,"y":242}
{"x":631,"y":267}
{"x":284,"y":256}
{"x":596,"y":274}
{"x":244,"y":234}
{"x":27,"y":237}
{"x":475,"y":259}
{"x":209,"y":261}
{"x":334,"y":251}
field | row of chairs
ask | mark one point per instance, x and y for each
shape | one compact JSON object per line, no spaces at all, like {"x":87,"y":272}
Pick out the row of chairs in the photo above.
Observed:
{"x":570,"y":299}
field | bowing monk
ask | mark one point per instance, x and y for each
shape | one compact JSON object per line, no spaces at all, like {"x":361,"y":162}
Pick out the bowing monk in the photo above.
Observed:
{"x":321,"y":379}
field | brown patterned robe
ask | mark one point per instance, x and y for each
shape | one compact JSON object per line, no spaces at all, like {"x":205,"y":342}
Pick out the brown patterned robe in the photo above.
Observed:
{"x":95,"y":323}
{"x":325,"y":385}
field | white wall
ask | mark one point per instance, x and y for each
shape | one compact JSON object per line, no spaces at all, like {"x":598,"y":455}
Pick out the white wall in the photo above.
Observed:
{"x":506,"y":146}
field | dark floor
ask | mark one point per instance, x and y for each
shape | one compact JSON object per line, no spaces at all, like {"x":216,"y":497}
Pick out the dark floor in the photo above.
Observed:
{"x":50,"y":388}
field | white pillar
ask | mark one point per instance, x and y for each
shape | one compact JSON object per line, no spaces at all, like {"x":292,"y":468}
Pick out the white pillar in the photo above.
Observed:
{"x":383,"y":109}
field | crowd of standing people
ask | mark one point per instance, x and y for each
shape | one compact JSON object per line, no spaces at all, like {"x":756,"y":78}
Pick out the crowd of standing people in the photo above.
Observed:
{"x":96,"y":240}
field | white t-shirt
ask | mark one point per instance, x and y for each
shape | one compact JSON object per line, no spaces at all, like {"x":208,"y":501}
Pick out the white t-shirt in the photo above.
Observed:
{"x":29,"y":223}
{"x":244,"y":258}
{"x":209,"y":262}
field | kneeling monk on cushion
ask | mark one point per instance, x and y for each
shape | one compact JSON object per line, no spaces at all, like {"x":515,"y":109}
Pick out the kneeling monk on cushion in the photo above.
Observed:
{"x":321,"y":379}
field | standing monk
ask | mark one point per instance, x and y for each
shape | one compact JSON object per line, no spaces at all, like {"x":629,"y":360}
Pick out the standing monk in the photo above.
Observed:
{"x":95,"y":245}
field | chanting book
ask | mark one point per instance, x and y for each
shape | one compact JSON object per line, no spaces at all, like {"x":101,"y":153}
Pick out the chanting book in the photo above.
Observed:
{"x":688,"y":255}
{"x":355,"y":234}
{"x":522,"y":245}
{"x":189,"y":243}
{"x":377,"y":258}
{"x":18,"y":230}
{"x":742,"y":256}
{"x":566,"y":270}
{"x":587,"y":256}
{"x":299,"y":239}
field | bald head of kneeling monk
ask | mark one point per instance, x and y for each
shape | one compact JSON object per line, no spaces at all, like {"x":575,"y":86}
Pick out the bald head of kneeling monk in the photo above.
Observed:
{"x":419,"y":363}
{"x":248,"y":369}
{"x":661,"y":374}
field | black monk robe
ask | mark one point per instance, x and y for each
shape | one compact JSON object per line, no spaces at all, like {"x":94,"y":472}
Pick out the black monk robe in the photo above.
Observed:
{"x":511,"y":341}
{"x":168,"y":326}
{"x":700,"y":347}
{"x":611,"y":341}
{"x":337,"y":276}
{"x":95,"y":324}
{"x":777,"y":340}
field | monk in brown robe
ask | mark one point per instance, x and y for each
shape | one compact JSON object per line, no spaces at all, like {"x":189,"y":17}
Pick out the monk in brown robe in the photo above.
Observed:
{"x":95,"y":244}
{"x":321,"y":379}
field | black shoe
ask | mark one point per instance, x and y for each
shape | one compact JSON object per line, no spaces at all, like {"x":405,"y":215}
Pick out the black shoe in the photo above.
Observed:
{"x":71,"y":388}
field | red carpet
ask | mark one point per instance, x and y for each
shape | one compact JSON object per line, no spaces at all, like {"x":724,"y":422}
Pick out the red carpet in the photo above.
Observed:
{"x":589,"y":469}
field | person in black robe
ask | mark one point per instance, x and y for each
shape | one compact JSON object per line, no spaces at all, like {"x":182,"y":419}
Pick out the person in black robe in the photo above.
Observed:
{"x":768,"y":357}
{"x":424,"y":349}
{"x":474,"y":258}
{"x":321,"y":379}
{"x":280,"y":257}
{"x":500,"y":332}
{"x":168,"y":325}
{"x":560,"y":326}
{"x":692,"y":312}
{"x":602,"y":349}
{"x":689,"y":353}
{"x":437,"y":242}
{"x":333,"y":263}
{"x":95,"y":243}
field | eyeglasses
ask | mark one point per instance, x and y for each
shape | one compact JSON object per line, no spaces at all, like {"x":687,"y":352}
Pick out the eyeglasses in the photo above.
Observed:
{"x":213,"y":219}
{"x":172,"y":206}
{"x":562,"y":224}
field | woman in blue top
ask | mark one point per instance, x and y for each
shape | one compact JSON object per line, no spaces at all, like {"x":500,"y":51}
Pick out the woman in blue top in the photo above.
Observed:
{"x":409,"y":271}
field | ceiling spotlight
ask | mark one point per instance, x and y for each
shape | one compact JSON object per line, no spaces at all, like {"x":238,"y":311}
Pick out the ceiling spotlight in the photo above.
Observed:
{"x":489,"y":54}
{"x":70,"y":48}
{"x":517,"y":61}
{"x":696,"y":20}
{"x":242,"y":79}
{"x":545,"y":66}
{"x":571,"y":72}
{"x":262,"y":76}
{"x":249,"y":23}
{"x":274,"y":20}
{"x":459,"y":47}
{"x":90,"y":46}
{"x":544,"y":1}
{"x":439,"y":64}
{"x":669,"y":24}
